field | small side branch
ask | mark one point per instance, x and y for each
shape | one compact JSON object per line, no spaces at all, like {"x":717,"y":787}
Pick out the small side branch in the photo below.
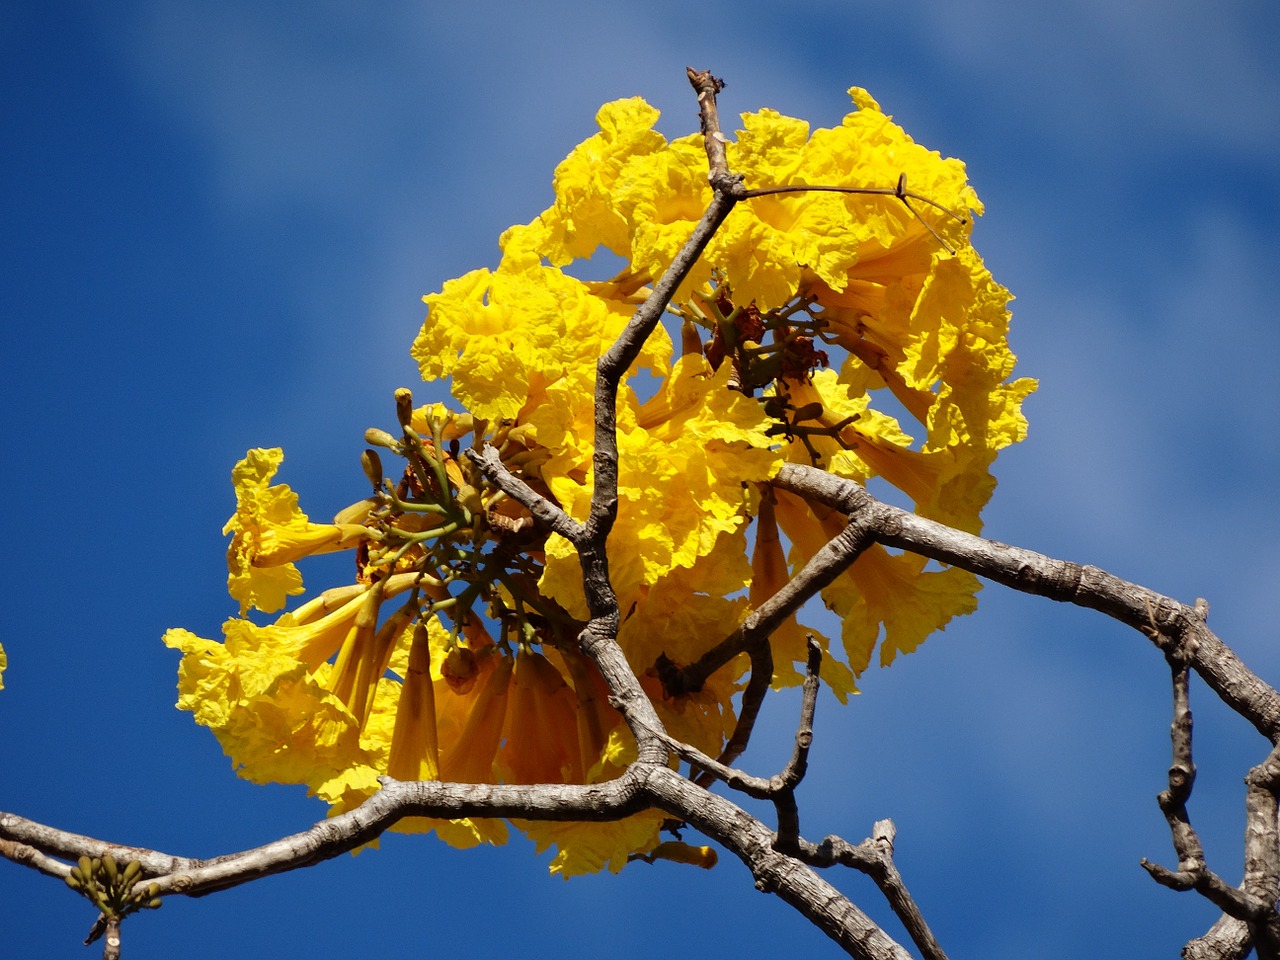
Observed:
{"x":1182,"y":777}
{"x":874,"y":857}
{"x":707,"y":87}
{"x":543,"y":510}
{"x":1253,"y":903}
{"x":791,"y":775}
{"x":836,"y":556}
{"x":753,"y":695}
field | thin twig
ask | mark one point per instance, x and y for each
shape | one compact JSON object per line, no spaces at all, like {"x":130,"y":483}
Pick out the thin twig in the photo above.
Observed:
{"x":823,"y":567}
{"x":899,"y":191}
{"x":757,"y":688}
{"x":784,"y":799}
{"x":489,"y":461}
{"x":798,"y":765}
{"x":874,"y":857}
{"x":1182,"y":775}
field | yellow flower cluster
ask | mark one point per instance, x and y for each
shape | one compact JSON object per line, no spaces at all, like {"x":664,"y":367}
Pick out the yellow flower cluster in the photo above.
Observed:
{"x":814,"y":322}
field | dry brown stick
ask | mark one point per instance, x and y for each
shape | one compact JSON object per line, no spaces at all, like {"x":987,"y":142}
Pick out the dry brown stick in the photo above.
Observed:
{"x":1193,"y":872}
{"x":708,"y":87}
{"x":874,"y":857}
{"x":798,"y":765}
{"x":790,"y":776}
{"x":1182,"y":777}
{"x":757,"y":688}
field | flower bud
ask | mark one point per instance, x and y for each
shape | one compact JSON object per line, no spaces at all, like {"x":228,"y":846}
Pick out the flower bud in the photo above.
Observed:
{"x":380,"y":438}
{"x":372,"y":464}
{"x":404,"y":406}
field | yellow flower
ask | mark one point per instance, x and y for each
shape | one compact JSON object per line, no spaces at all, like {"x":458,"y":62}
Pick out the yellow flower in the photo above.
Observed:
{"x":274,"y":718}
{"x":885,"y":592}
{"x":505,"y":336}
{"x":584,"y":216}
{"x":269,"y":532}
{"x":540,"y":737}
{"x":591,"y":847}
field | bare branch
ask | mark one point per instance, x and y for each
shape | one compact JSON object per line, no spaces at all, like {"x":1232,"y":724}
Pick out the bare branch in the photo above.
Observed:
{"x":643,"y":786}
{"x":1182,"y":775}
{"x":29,"y":856}
{"x":1228,"y":939}
{"x":1193,"y":872}
{"x":798,"y":765}
{"x":753,"y":843}
{"x":792,"y":773}
{"x":1029,"y":572}
{"x":785,"y":783}
{"x":707,"y":87}
{"x":874,"y":857}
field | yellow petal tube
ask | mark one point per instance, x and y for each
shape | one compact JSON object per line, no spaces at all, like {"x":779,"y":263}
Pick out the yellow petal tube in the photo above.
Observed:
{"x":542,"y":726}
{"x":478,"y":720}
{"x":415,"y":744}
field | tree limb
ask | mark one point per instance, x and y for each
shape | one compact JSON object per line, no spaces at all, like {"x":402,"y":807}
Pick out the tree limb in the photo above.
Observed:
{"x":1029,"y":572}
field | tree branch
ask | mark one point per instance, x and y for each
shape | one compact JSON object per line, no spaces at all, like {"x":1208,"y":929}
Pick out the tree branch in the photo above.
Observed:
{"x":1029,"y":572}
{"x":874,"y":857}
{"x":550,"y":515}
{"x":835,"y":556}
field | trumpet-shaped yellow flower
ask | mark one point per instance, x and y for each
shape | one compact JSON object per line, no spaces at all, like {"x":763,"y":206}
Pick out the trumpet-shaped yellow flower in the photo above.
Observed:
{"x":274,"y":718}
{"x":269,"y":532}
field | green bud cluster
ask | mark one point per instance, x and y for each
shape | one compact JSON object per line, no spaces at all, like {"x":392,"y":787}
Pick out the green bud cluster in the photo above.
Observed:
{"x":113,"y":889}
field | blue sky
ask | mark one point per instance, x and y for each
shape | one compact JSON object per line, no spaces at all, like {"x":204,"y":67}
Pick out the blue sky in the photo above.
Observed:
{"x":218,"y":221}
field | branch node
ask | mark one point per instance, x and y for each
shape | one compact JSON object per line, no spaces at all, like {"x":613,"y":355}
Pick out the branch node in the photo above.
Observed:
{"x":884,"y":832}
